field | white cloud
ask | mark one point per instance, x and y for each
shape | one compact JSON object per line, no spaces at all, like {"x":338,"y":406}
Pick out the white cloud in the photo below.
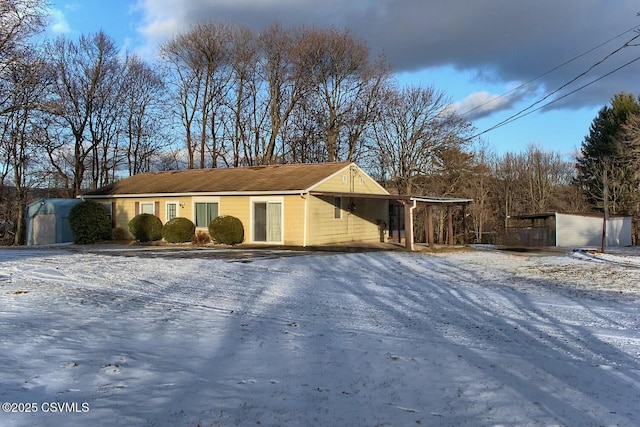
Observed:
{"x":161,"y":19}
{"x":482,"y":103}
{"x":59,"y":24}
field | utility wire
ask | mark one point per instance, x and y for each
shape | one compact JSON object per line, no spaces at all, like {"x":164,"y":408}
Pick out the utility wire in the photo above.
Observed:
{"x":573,"y":91}
{"x":551,"y":70}
{"x":523,"y":112}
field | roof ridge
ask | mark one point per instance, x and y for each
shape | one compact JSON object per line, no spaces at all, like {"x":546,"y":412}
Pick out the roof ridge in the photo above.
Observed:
{"x":245,"y":167}
{"x":281,"y":177}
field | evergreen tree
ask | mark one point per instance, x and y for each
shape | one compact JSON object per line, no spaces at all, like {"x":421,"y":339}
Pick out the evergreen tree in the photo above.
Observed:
{"x":607,"y":158}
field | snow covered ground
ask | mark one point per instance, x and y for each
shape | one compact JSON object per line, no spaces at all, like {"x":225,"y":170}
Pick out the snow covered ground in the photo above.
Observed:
{"x":155,"y":337}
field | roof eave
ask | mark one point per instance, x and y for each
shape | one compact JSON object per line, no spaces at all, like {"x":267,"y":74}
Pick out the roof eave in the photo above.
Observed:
{"x":194,"y":194}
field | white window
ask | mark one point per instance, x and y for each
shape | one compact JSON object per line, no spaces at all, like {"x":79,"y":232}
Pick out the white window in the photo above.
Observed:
{"x":148,"y":208}
{"x":204,"y":213}
{"x":172,"y":210}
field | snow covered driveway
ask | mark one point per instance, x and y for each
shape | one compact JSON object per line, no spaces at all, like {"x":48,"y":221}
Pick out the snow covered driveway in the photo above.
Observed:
{"x":469,"y":338}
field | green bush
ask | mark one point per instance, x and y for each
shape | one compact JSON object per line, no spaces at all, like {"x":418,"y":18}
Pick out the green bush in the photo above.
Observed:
{"x":89,"y":222}
{"x":146,"y":228}
{"x":178,"y":230}
{"x":227,"y":230}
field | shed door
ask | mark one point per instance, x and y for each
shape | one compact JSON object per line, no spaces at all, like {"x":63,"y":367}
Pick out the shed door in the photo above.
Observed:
{"x":44,"y":229}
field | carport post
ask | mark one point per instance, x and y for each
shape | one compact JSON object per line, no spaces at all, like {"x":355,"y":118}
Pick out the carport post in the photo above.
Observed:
{"x":464,"y":224}
{"x":408,"y":224}
{"x":430,"y":239}
{"x":399,"y":224}
{"x":450,"y":224}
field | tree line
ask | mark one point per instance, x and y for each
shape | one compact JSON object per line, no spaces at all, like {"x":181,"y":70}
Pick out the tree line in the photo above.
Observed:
{"x":76,"y":114}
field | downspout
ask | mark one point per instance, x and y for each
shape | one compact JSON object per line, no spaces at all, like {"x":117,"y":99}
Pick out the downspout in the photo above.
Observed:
{"x":304,"y":227}
{"x":408,"y":229}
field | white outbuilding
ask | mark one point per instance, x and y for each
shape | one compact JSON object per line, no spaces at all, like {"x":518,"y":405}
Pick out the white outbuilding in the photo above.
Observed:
{"x":568,"y":230}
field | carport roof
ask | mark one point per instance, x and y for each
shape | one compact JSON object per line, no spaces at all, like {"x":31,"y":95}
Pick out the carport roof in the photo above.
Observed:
{"x":398,"y":197}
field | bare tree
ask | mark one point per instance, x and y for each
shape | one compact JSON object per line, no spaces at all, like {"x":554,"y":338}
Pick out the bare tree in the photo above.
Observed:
{"x":480,"y":185}
{"x":415,"y":128}
{"x":28,"y":81}
{"x":243,"y":102}
{"x":19,"y":20}
{"x":199,"y":59}
{"x":82,"y":74}
{"x":346,"y":85}
{"x":630,"y":138}
{"x":543,"y":174}
{"x":508,"y":189}
{"x":107,"y":111}
{"x":144,"y":122}
{"x":281,"y":68}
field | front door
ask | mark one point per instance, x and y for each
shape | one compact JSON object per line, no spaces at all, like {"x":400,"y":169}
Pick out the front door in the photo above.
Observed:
{"x":267,"y":222}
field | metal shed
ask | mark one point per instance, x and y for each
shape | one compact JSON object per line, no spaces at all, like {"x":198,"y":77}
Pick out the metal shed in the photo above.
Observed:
{"x":568,"y":230}
{"x":47,"y":221}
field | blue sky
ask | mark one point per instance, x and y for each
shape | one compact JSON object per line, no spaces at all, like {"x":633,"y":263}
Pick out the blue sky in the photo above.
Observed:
{"x":470,"y":50}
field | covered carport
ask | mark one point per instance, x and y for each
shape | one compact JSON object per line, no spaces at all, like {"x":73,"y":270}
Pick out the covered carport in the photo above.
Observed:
{"x":406,"y":206}
{"x":400,"y":200}
{"x":450,"y":203}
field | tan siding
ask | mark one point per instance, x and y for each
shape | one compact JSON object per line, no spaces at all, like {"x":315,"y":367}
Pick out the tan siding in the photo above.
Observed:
{"x":238,"y":206}
{"x":350,"y":181}
{"x":359,"y":225}
{"x":293,"y":212}
{"x":294,"y":220}
{"x":367,"y":185}
{"x":336,"y":183}
{"x":125,"y":208}
{"x":323,"y":228}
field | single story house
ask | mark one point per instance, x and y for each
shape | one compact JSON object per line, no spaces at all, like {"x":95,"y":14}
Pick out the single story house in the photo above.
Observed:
{"x":298,"y":204}
{"x":568,"y":230}
{"x":47,"y":221}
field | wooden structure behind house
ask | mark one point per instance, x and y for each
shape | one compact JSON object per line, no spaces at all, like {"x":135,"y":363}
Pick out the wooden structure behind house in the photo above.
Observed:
{"x":298,"y":205}
{"x":567,"y":230}
{"x":447,"y":204}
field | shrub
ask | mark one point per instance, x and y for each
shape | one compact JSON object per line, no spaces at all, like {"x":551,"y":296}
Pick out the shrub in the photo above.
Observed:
{"x":146,"y":228}
{"x":89,"y":222}
{"x":227,"y":230}
{"x":178,"y":230}
{"x":201,"y":238}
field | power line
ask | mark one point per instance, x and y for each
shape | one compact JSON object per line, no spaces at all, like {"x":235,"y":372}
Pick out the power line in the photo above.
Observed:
{"x":551,"y":70}
{"x":575,"y":90}
{"x":521,"y":113}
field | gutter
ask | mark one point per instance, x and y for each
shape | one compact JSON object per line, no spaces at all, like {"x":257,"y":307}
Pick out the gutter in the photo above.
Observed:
{"x":193,"y":194}
{"x":305,"y":226}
